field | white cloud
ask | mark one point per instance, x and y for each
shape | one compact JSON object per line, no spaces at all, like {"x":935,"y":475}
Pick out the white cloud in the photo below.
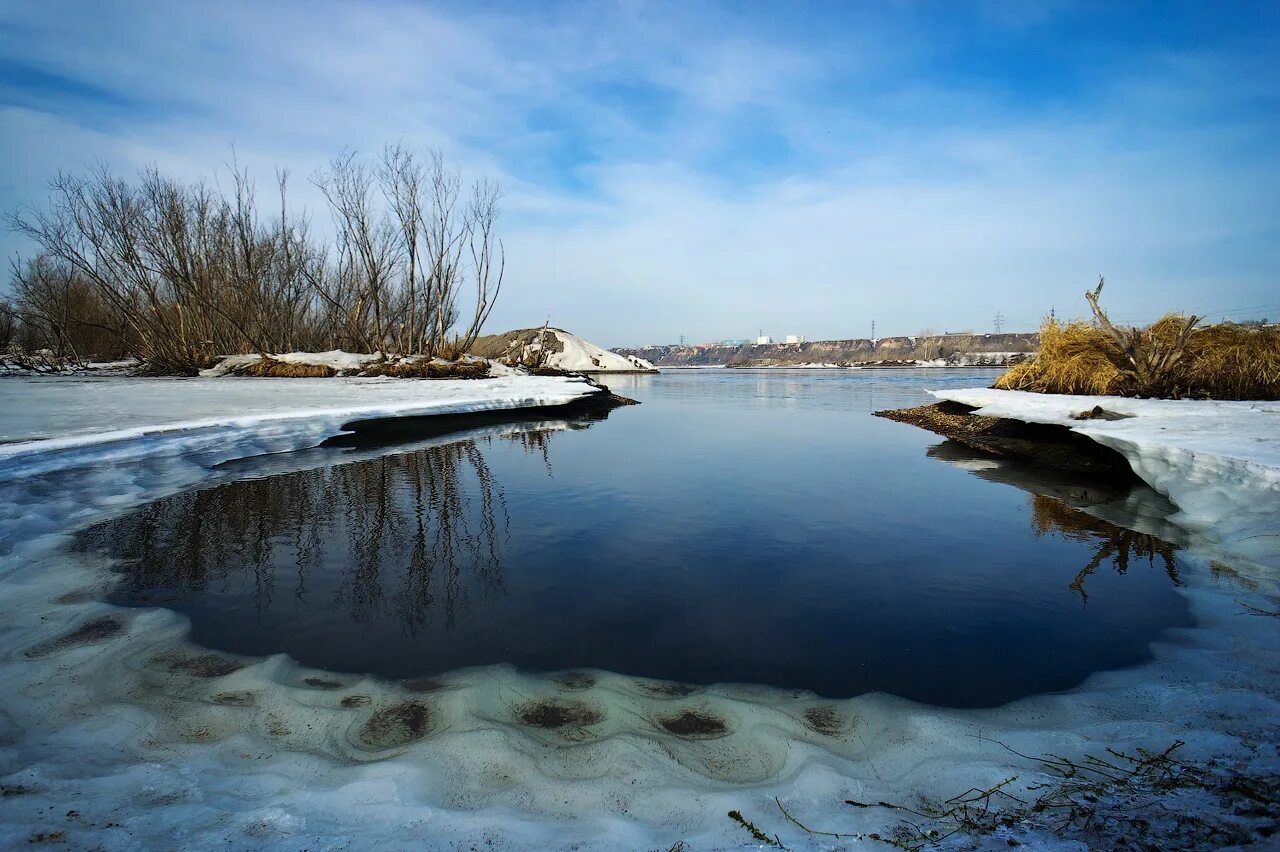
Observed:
{"x":915,"y":200}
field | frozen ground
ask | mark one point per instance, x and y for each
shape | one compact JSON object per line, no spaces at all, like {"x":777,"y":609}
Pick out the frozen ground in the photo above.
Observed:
{"x":115,"y":733}
{"x":1219,"y":462}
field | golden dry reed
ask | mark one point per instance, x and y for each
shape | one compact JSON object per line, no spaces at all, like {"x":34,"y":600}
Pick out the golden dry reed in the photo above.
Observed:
{"x":1225,"y":361}
{"x":266,"y":367}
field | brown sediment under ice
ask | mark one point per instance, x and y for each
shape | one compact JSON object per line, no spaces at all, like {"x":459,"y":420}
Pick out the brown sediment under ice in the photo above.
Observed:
{"x":575,"y":680}
{"x":668,"y":690}
{"x":196,"y":665}
{"x":558,"y":714}
{"x":824,"y":720}
{"x":396,"y":725}
{"x":97,"y":630}
{"x":694,"y":724}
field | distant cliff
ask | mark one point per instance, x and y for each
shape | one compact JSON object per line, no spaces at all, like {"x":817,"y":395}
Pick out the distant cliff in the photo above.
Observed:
{"x":937,"y":350}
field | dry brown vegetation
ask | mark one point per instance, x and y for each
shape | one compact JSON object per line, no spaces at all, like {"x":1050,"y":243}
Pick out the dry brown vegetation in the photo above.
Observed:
{"x":428,"y":370}
{"x":529,"y":348}
{"x":272,"y":368}
{"x":1172,"y":358}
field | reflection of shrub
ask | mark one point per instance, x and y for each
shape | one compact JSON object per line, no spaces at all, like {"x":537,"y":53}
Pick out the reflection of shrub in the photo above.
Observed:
{"x":1051,"y":516}
{"x":1170,"y":358}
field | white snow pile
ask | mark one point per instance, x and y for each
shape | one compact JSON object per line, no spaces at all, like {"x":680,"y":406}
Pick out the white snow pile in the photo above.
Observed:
{"x":584,"y":356}
{"x":1219,"y":462}
{"x":571,"y":352}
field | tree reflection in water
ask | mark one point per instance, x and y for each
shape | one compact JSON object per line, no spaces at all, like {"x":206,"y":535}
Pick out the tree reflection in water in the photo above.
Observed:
{"x":1051,"y":516}
{"x":424,"y":531}
{"x":1058,"y":503}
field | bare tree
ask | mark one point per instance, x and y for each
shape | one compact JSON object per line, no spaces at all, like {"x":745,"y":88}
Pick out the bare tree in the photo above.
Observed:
{"x":182,"y":271}
{"x":366,"y":243}
{"x":482,"y":217}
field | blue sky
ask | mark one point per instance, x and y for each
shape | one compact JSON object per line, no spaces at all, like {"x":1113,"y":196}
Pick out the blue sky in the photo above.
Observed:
{"x":709,"y":170}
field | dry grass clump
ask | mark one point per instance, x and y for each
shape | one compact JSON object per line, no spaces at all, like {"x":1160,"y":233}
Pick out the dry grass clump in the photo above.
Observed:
{"x":1236,"y":362}
{"x":271,"y":368}
{"x":1074,"y":358}
{"x":1171,"y":358}
{"x":429,"y":370}
{"x":1225,"y":361}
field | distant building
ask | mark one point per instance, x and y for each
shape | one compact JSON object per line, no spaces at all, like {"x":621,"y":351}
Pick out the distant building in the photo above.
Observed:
{"x":734,"y":341}
{"x":795,"y":338}
{"x":763,"y":340}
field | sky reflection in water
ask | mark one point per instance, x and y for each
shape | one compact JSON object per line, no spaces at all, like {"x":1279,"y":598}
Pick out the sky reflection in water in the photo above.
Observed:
{"x":737,"y":527}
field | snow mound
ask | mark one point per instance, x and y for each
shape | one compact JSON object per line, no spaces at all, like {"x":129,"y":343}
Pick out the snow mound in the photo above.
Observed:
{"x":1219,"y":462}
{"x":565,"y":351}
{"x":584,"y":356}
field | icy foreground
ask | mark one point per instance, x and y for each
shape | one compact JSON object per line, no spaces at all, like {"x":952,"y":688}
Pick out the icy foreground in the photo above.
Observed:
{"x":131,"y":737}
{"x":1219,"y":462}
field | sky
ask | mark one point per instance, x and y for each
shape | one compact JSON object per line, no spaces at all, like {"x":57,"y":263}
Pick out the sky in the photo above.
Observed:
{"x":713,"y":170}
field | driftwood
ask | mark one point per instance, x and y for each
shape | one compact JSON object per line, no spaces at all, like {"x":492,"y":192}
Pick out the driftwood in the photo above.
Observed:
{"x":1147,"y":359}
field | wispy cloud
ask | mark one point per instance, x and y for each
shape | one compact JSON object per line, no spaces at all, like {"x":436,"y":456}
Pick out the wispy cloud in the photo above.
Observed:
{"x":706,"y":169}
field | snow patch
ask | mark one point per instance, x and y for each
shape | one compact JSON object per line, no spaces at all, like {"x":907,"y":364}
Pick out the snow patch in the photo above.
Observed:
{"x":583,"y":356}
{"x":1218,"y":461}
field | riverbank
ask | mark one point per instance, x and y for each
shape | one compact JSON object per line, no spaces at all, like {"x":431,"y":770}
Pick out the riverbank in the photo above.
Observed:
{"x":55,"y":420}
{"x":951,"y":350}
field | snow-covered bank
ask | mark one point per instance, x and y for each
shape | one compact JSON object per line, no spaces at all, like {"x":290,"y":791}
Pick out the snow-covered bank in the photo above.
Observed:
{"x":44,"y":363}
{"x":337,"y":360}
{"x":1219,"y":462}
{"x":53,"y":422}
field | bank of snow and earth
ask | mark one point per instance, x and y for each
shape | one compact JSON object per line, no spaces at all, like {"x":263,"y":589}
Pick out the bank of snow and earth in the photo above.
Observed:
{"x":53,"y":422}
{"x":545,"y":351}
{"x":1219,"y":462}
{"x":558,"y":349}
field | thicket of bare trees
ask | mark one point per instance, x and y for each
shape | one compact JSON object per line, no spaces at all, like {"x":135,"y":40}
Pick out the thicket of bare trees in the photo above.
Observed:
{"x":177,"y":273}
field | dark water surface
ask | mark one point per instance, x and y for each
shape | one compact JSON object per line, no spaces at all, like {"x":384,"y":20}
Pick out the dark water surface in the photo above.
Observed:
{"x":757,"y":527}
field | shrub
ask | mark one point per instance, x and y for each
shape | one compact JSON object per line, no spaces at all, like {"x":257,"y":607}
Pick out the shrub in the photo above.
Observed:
{"x":424,"y":369}
{"x":1171,"y":358}
{"x":1074,"y":358}
{"x":271,"y":368}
